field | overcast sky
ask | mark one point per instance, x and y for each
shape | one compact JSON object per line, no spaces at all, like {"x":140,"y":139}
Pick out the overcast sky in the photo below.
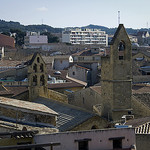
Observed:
{"x":70,"y":13}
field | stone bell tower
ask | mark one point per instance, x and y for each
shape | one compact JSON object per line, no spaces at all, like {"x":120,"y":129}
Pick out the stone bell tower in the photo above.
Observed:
{"x":116,"y":75}
{"x":37,"y":77}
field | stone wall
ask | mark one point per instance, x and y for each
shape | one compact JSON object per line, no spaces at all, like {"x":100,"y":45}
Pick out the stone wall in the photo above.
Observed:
{"x":51,"y":94}
{"x":15,"y":141}
{"x":23,"y":96}
{"x":18,"y":115}
{"x":95,"y":122}
{"x":85,"y":98}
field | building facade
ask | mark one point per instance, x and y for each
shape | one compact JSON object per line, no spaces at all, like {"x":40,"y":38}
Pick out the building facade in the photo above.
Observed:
{"x":110,"y":139}
{"x":85,"y":36}
{"x":35,"y":38}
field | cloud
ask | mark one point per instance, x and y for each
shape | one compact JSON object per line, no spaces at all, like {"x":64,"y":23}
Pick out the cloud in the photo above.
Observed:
{"x":42,"y":9}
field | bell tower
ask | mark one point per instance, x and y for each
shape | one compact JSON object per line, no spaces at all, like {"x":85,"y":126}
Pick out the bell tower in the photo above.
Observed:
{"x":37,"y":79}
{"x":116,"y":77}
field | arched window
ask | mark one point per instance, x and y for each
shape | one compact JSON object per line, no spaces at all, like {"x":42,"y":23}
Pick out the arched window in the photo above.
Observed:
{"x":121,"y":49}
{"x":41,"y":68}
{"x":35,"y":67}
{"x":38,"y":59}
{"x":42,"y":80}
{"x":121,"y":46}
{"x":34,"y":80}
{"x":94,"y":127}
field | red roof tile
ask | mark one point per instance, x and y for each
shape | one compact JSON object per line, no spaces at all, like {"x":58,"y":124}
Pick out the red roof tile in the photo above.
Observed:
{"x":7,"y":41}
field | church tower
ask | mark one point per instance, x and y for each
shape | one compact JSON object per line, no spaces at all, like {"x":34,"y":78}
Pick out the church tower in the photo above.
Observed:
{"x":116,"y":77}
{"x":37,"y":77}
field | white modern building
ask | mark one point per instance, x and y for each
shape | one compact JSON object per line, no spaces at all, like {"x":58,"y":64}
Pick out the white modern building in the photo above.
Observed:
{"x":85,"y":36}
{"x":35,"y":38}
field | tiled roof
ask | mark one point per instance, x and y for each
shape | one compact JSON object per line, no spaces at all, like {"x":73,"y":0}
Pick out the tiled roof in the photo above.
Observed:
{"x":17,"y":90}
{"x":65,"y":85}
{"x":63,"y":75}
{"x":48,"y":60}
{"x":87,"y":53}
{"x":81,"y":67}
{"x":138,"y":122}
{"x":4,"y":91}
{"x":26,"y":106}
{"x":140,"y":88}
{"x":81,"y":53}
{"x":9,"y":63}
{"x":69,"y":116}
{"x":7,"y":41}
{"x":141,"y":79}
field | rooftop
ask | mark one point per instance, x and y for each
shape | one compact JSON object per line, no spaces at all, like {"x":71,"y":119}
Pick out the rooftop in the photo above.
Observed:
{"x":70,"y":82}
{"x":7,"y":41}
{"x":9,"y":63}
{"x":26,"y":106}
{"x":69,"y":116}
{"x":18,"y":127}
{"x":138,"y":122}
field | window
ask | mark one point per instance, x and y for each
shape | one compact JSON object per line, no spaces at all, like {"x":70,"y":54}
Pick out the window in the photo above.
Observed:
{"x":94,"y":127}
{"x":42,"y":80}
{"x":120,"y":57}
{"x":35,"y":67}
{"x":38,"y":59}
{"x":121,"y":49}
{"x":73,"y":73}
{"x":83,"y":145}
{"x":117,"y":143}
{"x":121,"y":46}
{"x":41,"y":68}
{"x":34,"y":80}
{"x":83,"y":100}
{"x":24,"y":143}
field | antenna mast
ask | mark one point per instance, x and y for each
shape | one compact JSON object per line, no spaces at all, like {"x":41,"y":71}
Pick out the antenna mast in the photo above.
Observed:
{"x":118,"y":17}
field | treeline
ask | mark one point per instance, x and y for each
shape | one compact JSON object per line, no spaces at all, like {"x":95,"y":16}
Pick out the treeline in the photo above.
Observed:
{"x":8,"y":28}
{"x":113,"y":30}
{"x":5,"y":26}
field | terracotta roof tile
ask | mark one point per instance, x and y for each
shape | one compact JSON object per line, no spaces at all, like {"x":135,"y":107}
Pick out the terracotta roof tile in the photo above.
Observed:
{"x":17,"y":90}
{"x":7,"y":41}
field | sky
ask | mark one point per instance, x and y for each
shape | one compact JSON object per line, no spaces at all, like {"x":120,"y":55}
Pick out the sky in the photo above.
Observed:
{"x":76,"y":13}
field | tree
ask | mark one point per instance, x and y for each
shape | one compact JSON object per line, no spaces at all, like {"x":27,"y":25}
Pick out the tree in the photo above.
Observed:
{"x":19,"y":37}
{"x":51,"y":38}
{"x":6,"y":33}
